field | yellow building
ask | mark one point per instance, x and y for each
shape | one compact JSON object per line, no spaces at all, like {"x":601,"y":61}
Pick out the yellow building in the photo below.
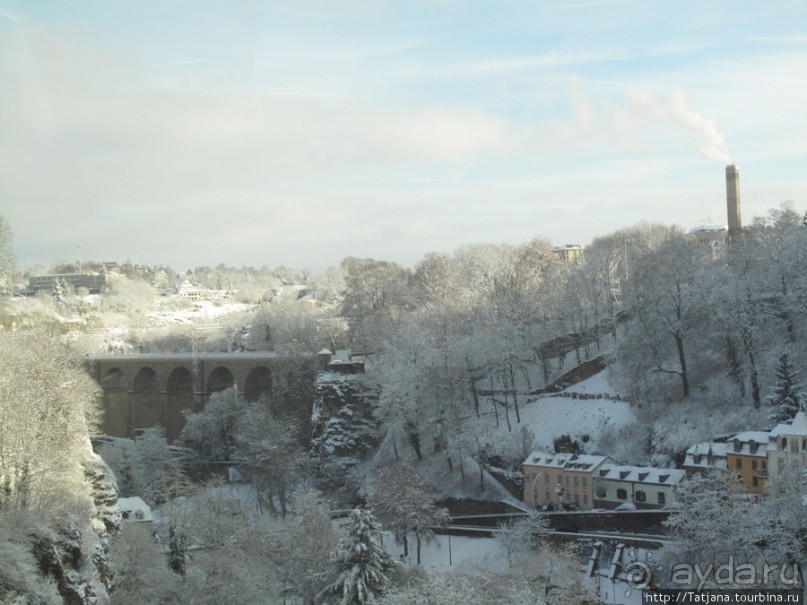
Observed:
{"x":747,"y":457}
{"x":561,"y":480}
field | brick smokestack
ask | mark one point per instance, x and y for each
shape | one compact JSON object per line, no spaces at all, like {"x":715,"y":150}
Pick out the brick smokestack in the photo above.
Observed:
{"x":733,"y":199}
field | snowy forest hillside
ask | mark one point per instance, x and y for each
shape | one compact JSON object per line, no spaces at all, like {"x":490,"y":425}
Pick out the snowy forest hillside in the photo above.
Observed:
{"x":474,"y":359}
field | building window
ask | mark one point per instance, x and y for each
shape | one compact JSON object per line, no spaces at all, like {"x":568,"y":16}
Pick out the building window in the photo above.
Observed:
{"x":585,"y":499}
{"x":794,"y":446}
{"x":662,"y":498}
{"x":640,"y":496}
{"x":601,"y":492}
{"x":738,"y":463}
{"x":764,"y":465}
{"x":546,"y":494}
{"x":576,"y":481}
{"x":781,"y":465}
{"x":568,"y":481}
{"x":755,"y":481}
{"x":754,"y":465}
{"x":546,"y":478}
{"x":585,"y":481}
{"x":622,"y":494}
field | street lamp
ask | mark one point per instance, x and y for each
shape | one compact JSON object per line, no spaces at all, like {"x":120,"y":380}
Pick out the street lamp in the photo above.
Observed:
{"x":535,"y":491}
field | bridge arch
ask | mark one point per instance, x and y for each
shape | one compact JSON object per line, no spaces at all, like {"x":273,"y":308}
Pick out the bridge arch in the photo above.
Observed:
{"x":146,"y":408}
{"x":116,"y":400}
{"x":114,"y":379}
{"x":219,"y":379}
{"x":179,"y":380}
{"x":179,"y":396}
{"x":258,"y":383}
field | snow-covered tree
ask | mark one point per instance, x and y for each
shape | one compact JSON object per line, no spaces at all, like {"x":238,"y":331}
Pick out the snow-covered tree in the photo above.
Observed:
{"x":786,"y":397}
{"x":744,"y":530}
{"x":404,"y":501}
{"x":6,"y":256}
{"x":521,"y":536}
{"x":141,"y":574}
{"x":212,"y":431}
{"x":271,"y":456}
{"x":146,"y":466}
{"x":551,"y":578}
{"x":361,"y":562}
{"x":48,"y":511}
{"x":306,"y":544}
{"x":48,"y":405}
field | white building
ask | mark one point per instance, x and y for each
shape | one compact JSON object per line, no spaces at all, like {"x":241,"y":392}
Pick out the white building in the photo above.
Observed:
{"x":787,"y":445}
{"x":134,"y":510}
{"x":643,"y":486}
{"x":703,"y":457}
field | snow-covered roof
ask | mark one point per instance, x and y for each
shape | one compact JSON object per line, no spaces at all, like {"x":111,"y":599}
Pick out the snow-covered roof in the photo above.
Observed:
{"x":641,"y":474}
{"x":706,"y":455}
{"x":325,"y":352}
{"x":709,"y":228}
{"x":341,"y":356}
{"x":797,"y":427}
{"x":134,"y":510}
{"x":569,"y":462}
{"x":748,"y":443}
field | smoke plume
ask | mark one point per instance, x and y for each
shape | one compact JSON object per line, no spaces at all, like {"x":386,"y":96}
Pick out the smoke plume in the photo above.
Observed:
{"x":673,"y":110}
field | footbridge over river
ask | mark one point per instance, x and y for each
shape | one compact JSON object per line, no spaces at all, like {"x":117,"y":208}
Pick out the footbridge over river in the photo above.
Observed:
{"x":148,"y":390}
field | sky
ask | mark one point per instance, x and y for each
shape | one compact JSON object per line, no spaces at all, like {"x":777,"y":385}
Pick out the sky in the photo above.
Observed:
{"x":246,"y":132}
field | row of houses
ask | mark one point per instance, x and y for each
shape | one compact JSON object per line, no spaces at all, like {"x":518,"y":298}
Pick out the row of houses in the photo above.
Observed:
{"x":754,"y":456}
{"x":583,"y":481}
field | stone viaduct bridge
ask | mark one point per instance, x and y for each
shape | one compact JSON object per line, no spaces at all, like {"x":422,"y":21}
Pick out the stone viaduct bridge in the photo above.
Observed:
{"x":148,"y":390}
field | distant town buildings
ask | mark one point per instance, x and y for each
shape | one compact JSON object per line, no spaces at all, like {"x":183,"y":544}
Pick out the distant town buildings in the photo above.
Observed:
{"x":93,"y":282}
{"x":569,"y":253}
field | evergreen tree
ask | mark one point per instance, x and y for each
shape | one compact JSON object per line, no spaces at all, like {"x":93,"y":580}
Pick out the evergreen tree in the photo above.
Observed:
{"x":786,"y":397}
{"x":362,"y":563}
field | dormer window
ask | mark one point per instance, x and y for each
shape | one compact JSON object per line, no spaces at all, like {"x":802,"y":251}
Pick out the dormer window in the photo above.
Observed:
{"x":697,"y":458}
{"x":623,"y":474}
{"x":643,"y":476}
{"x":752,"y":446}
{"x":738,"y":445}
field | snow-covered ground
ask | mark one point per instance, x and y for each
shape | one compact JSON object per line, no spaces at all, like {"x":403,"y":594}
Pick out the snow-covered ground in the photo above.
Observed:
{"x":198,"y":311}
{"x":549,"y":417}
{"x":446,"y":551}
